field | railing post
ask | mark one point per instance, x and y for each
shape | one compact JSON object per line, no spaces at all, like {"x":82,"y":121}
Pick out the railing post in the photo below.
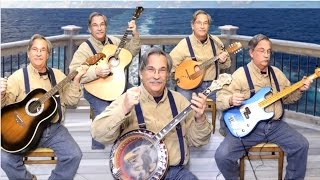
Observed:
{"x":229,"y":30}
{"x":70,"y":30}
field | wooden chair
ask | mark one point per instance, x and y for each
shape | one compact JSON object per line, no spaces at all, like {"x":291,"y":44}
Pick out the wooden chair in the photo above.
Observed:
{"x":40,"y":156}
{"x":211,"y":107}
{"x":264,"y":151}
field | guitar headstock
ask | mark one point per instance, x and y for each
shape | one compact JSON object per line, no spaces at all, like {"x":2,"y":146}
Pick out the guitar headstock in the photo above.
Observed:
{"x":222,"y":80}
{"x":317,"y":72}
{"x":94,"y":59}
{"x":137,"y":12}
{"x":234,"y":47}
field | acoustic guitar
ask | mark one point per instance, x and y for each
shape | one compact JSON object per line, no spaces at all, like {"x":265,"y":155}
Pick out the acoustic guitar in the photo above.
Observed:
{"x":186,"y":75}
{"x":243,"y":119}
{"x":23,"y":123}
{"x":118,"y":58}
{"x":141,"y":154}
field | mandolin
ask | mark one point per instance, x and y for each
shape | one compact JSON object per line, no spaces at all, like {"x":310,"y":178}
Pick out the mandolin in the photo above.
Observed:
{"x":186,"y":75}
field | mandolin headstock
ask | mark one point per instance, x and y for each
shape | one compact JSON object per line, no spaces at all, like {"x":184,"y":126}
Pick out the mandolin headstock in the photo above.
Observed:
{"x":234,"y":47}
{"x":94,"y":59}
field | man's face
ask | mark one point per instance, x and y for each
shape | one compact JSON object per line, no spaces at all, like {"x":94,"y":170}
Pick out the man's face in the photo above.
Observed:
{"x":154,"y":76}
{"x":38,"y":54}
{"x":98,"y":28}
{"x":200,"y":26}
{"x":261,"y":54}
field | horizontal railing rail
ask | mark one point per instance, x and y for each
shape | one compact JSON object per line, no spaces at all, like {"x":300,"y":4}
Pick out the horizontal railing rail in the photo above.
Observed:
{"x":296,"y":59}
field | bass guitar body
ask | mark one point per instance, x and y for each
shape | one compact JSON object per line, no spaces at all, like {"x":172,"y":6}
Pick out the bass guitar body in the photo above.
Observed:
{"x":183,"y":74}
{"x":112,"y":86}
{"x":23,"y":123}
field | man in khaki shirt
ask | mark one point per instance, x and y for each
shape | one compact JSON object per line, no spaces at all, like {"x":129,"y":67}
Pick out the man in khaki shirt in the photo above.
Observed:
{"x":97,"y":26}
{"x":205,"y":48}
{"x":272,"y":130}
{"x":55,"y":135}
{"x":153,"y":98}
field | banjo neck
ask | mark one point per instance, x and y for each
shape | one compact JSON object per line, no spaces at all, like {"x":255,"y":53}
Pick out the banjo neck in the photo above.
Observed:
{"x":176,"y":120}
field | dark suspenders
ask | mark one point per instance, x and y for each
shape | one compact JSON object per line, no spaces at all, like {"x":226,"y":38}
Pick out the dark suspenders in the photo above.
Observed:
{"x":193,"y":57}
{"x":92,"y":48}
{"x":174,"y":111}
{"x":251,"y":87}
{"x":53,"y":83}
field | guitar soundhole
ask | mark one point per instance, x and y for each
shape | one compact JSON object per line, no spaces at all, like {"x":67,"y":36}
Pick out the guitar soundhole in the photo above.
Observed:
{"x":113,"y":61}
{"x":34,"y":107}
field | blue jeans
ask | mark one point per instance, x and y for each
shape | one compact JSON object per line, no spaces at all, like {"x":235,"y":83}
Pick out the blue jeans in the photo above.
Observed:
{"x":56,"y":137}
{"x":97,"y":105}
{"x":279,"y":132}
{"x":203,"y":86}
{"x":179,"y":172}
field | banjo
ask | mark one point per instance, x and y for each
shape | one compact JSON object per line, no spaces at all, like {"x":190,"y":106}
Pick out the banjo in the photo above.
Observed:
{"x":141,"y":154}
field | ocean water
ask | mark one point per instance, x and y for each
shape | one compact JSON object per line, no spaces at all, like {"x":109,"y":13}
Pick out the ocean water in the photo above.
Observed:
{"x":288,"y":24}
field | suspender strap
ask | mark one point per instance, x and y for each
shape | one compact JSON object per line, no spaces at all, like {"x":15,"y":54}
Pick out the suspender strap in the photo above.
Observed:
{"x":141,"y":123}
{"x":91,"y":46}
{"x":251,"y":87}
{"x":271,"y":71}
{"x":214,"y":54}
{"x":178,"y":127}
{"x":56,"y":96}
{"x":109,"y":40}
{"x":26,"y":80}
{"x":174,"y":111}
{"x":193,"y":57}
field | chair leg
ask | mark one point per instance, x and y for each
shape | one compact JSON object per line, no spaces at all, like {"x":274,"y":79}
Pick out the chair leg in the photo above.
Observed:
{"x":213,"y":113}
{"x":242,"y":168}
{"x":280,"y":165}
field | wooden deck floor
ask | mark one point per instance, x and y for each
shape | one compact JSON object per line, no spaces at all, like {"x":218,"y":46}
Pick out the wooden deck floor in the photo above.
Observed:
{"x":95,"y":163}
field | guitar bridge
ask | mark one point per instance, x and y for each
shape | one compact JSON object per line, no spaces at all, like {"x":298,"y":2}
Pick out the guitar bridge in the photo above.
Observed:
{"x":18,"y":119}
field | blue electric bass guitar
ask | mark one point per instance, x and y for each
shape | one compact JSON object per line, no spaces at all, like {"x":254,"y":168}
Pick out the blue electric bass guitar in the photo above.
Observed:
{"x":241,"y":120}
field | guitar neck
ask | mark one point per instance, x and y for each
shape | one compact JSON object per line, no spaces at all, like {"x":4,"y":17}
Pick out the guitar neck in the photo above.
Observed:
{"x":57,"y":87}
{"x":123,"y":39}
{"x":286,"y":91}
{"x":178,"y":118}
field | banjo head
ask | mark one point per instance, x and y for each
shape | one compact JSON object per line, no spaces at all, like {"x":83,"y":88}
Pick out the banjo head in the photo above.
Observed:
{"x":137,"y":156}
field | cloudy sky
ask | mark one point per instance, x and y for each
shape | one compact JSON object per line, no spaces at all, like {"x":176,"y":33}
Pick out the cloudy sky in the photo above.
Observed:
{"x":158,"y":4}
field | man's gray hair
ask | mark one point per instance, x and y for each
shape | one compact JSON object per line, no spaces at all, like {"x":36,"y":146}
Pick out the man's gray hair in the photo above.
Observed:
{"x":195,"y":14}
{"x":256,"y":39}
{"x":38,"y":36}
{"x":151,"y":51}
{"x":96,"y":14}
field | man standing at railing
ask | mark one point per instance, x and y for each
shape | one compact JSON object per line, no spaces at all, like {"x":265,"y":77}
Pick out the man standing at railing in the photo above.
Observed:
{"x":199,"y":47}
{"x":97,"y":26}
{"x":248,"y":81}
{"x":55,"y":136}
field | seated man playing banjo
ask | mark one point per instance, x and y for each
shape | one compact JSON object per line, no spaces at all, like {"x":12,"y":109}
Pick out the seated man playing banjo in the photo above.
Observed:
{"x":147,"y":109}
